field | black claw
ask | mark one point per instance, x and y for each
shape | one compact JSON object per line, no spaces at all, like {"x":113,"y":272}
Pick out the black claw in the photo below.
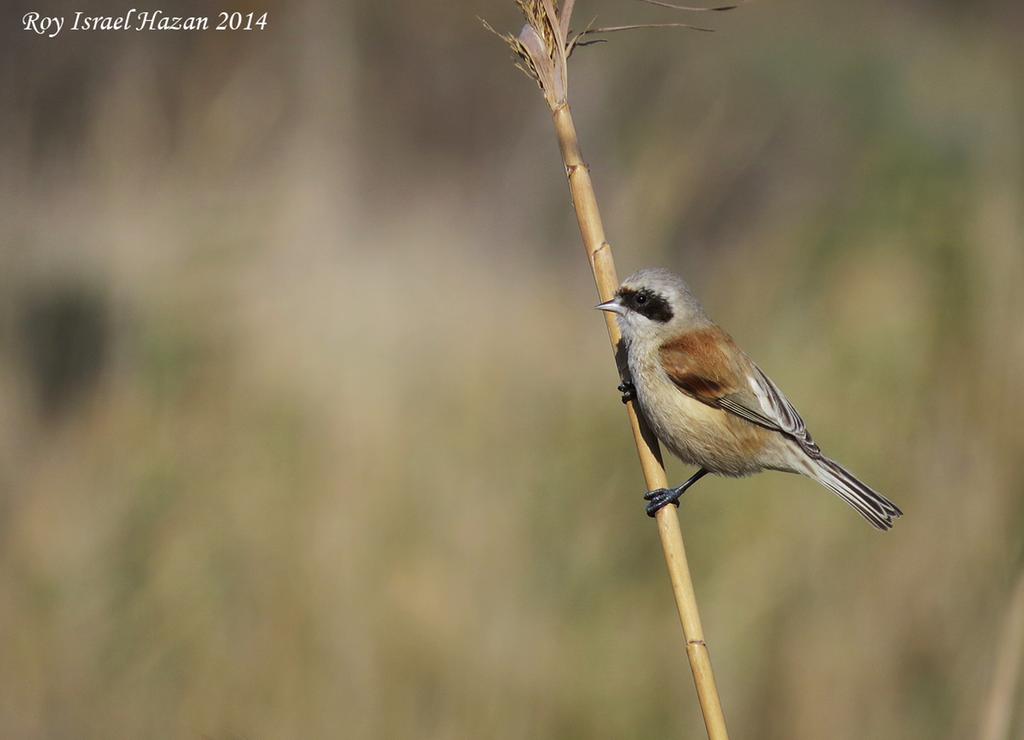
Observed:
{"x":628,"y":391}
{"x":661,"y":498}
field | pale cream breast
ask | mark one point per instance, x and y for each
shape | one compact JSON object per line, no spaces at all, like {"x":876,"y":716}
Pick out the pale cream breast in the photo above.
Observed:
{"x":695,"y":432}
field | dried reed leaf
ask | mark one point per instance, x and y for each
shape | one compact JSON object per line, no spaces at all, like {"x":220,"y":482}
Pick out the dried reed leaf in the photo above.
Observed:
{"x":536,"y":15}
{"x":691,"y":9}
{"x":635,"y":26}
{"x":566,"y":16}
{"x":524,"y":61}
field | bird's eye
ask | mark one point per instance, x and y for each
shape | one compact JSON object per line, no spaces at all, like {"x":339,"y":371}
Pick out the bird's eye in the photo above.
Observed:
{"x":641,"y":299}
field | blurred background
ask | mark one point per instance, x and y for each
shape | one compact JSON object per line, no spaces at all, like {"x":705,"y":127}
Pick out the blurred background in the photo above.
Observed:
{"x":310,"y":430}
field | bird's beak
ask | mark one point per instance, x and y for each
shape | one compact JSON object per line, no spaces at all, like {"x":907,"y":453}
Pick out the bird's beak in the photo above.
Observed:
{"x":613,"y":306}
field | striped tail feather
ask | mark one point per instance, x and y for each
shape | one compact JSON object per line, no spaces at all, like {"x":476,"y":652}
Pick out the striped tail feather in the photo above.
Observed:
{"x":873,"y":506}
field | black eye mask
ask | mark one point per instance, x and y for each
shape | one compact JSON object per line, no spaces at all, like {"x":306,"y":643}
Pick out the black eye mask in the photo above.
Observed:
{"x":647,"y":303}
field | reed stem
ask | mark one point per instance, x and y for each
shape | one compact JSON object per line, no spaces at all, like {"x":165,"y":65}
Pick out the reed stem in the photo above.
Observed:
{"x":543,"y":47}
{"x":1001,"y":707}
{"x":599,"y":252}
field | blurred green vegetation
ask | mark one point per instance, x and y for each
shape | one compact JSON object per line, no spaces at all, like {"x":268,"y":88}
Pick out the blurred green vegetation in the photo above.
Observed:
{"x":310,"y":431}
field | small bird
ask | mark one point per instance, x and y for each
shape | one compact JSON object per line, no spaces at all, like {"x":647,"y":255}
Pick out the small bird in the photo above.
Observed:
{"x":710,"y":404}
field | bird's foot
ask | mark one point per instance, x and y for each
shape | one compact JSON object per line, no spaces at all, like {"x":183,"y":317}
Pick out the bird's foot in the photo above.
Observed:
{"x":662,"y":497}
{"x":628,"y":391}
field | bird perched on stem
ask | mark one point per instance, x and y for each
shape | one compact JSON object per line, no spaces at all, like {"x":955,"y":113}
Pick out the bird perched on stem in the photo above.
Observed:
{"x":710,"y":404}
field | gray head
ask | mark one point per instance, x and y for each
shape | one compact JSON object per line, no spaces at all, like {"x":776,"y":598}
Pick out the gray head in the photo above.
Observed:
{"x":654,"y":303}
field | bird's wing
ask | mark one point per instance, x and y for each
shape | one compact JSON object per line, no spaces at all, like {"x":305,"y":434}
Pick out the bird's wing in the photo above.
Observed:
{"x":708,"y":366}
